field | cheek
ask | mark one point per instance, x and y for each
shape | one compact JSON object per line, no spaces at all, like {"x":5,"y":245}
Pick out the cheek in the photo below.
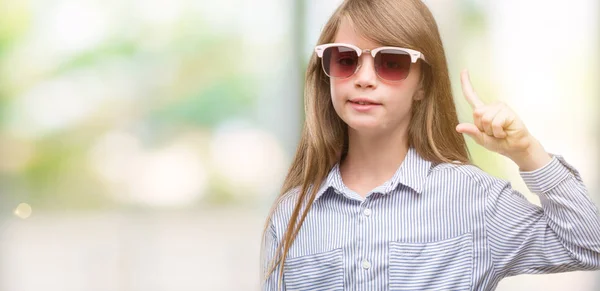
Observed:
{"x":400,"y":99}
{"x":339,"y":91}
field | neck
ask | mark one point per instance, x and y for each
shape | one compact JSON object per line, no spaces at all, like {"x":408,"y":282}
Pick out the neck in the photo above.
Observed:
{"x":373,"y":159}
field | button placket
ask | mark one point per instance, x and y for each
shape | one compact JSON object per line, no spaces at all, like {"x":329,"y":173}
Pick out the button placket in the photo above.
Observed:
{"x":364,"y":215}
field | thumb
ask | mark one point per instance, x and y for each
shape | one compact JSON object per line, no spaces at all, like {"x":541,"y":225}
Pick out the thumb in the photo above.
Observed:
{"x":470,"y":130}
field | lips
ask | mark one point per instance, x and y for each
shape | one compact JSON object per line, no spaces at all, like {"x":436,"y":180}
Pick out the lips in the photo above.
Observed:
{"x":363,"y":101}
{"x":363,"y":105}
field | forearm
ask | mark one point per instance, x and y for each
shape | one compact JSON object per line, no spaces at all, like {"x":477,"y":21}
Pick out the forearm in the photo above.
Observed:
{"x":568,"y":209}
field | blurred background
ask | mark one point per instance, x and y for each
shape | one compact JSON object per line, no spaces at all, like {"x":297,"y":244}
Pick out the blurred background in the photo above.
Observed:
{"x":143,"y":142}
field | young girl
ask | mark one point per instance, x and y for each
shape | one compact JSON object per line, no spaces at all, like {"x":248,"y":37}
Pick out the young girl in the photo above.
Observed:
{"x":381,"y":194}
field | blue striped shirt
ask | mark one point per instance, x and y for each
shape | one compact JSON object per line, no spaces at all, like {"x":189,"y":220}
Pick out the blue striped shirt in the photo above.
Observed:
{"x":437,"y":227}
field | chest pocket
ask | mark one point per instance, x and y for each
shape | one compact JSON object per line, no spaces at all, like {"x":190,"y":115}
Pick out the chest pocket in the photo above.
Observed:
{"x":322,"y":271}
{"x":440,"y":265}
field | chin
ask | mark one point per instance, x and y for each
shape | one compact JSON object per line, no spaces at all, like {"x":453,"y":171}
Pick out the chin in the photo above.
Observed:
{"x":364,"y":126}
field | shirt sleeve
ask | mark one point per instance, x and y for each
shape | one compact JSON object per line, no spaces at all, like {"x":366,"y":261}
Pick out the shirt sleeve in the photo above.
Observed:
{"x":268,"y":251}
{"x":562,"y":235}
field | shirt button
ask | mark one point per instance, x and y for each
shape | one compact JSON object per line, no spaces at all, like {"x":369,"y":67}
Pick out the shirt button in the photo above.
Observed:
{"x":366,"y":264}
{"x":367,"y":212}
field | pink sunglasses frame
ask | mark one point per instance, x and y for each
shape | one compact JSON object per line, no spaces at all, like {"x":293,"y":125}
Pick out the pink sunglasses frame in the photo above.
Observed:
{"x":414,"y":54}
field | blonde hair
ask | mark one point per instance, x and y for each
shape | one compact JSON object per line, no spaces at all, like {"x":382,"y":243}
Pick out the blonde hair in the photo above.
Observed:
{"x":401,"y":23}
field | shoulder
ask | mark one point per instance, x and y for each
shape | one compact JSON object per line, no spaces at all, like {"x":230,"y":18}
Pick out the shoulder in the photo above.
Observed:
{"x":283,"y":207}
{"x":465,"y":175}
{"x":286,"y":201}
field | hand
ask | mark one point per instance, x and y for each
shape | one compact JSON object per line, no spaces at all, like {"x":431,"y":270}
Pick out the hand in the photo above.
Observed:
{"x":497,"y":128}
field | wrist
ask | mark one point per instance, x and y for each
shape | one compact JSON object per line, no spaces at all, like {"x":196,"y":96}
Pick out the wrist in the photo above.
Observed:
{"x":533,"y":158}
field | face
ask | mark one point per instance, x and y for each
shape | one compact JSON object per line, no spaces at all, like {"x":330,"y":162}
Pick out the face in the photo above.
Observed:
{"x":367,"y":103}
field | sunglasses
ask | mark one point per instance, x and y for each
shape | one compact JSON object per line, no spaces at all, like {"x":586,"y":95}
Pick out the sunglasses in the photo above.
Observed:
{"x":340,"y":60}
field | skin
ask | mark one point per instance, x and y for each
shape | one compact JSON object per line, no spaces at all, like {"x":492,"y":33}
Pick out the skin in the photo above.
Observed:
{"x":378,"y":137}
{"x":499,"y":129}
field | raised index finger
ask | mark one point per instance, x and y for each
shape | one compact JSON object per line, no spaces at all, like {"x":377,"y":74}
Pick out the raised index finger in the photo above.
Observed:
{"x":468,"y":91}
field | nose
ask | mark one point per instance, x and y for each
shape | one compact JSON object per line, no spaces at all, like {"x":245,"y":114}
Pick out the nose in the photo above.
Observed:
{"x":366,"y":77}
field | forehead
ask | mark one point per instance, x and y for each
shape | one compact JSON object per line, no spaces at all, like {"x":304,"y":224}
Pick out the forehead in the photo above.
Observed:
{"x":346,"y":33}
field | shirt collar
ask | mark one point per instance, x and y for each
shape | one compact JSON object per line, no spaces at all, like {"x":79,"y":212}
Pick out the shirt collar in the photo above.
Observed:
{"x":412,"y":173}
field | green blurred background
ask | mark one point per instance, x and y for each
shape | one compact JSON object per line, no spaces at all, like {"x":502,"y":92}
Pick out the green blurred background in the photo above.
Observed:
{"x":142,"y":142}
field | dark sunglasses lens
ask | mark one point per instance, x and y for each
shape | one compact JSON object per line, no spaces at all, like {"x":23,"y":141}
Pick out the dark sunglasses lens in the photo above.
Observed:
{"x":339,"y":61}
{"x":392,"y":65}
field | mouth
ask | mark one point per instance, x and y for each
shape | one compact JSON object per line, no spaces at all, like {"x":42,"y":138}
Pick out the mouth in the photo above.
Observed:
{"x":363,"y":104}
{"x":363,"y":101}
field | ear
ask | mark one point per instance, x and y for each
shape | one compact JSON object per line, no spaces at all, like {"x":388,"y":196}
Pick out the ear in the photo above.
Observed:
{"x":419,"y":95}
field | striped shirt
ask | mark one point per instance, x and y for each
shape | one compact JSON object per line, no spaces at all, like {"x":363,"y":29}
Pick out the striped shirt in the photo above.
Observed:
{"x":437,"y":227}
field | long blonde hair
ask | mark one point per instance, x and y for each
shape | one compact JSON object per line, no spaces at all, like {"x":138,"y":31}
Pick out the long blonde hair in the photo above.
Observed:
{"x":401,"y":23}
